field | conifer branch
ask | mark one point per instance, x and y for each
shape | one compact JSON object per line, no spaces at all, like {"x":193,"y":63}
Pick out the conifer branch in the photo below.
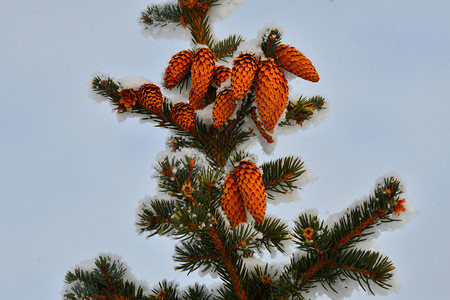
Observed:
{"x":232,"y":274}
{"x":194,"y":16}
{"x":243,"y":240}
{"x":302,"y":110}
{"x":226,"y":48}
{"x":271,"y":39}
{"x":105,"y":281}
{"x":190,"y":220}
{"x":279,"y":176}
{"x":274,"y":233}
{"x":192,"y":256}
{"x":310,"y":234}
{"x":365,"y":267}
{"x":165,"y":291}
{"x":199,"y":292}
{"x":161,"y":15}
{"x":157,"y":217}
{"x":354,"y":226}
{"x":201,"y":32}
{"x":331,"y":251}
{"x":106,"y":87}
{"x":299,"y":276}
{"x":178,"y":178}
{"x":262,"y":283}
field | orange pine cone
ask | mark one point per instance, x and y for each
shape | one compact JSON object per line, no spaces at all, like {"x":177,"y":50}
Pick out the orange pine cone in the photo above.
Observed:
{"x":178,"y":68}
{"x":150,"y":97}
{"x":184,"y":115}
{"x":202,"y":71}
{"x":272,"y":93}
{"x":223,"y":107}
{"x":232,"y":201}
{"x":242,"y":74}
{"x":221,"y":74}
{"x":295,"y":62}
{"x":128,"y":97}
{"x":196,"y":99}
{"x":251,"y":187}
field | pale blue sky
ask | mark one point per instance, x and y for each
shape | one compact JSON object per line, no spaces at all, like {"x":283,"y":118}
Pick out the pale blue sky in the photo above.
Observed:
{"x":72,"y":176}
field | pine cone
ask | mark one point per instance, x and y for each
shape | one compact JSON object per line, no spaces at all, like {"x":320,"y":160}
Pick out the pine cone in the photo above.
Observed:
{"x":232,"y":201}
{"x":271,"y":93}
{"x":242,"y":74}
{"x":184,"y":115}
{"x":202,"y":71}
{"x":128,"y":97}
{"x":223,"y":107}
{"x":221,"y":74}
{"x":295,"y":62}
{"x":178,"y":68}
{"x":150,"y":97}
{"x":251,"y":187}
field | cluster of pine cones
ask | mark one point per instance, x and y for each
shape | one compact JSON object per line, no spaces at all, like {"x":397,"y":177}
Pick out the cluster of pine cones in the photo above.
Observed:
{"x":244,"y":189}
{"x":264,"y":75}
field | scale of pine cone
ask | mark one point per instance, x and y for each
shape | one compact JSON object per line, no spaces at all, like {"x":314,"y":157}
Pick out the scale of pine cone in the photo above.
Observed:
{"x":295,"y":62}
{"x":150,"y":97}
{"x":223,"y":107}
{"x":202,"y":71}
{"x":272,"y":93}
{"x":178,"y":68}
{"x":232,"y":201}
{"x":221,"y":74}
{"x":252,"y":189}
{"x":184,"y":115}
{"x":242,"y":74}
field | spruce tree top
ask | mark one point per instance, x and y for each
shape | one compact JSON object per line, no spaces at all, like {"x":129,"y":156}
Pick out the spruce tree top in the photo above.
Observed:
{"x":213,"y":196}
